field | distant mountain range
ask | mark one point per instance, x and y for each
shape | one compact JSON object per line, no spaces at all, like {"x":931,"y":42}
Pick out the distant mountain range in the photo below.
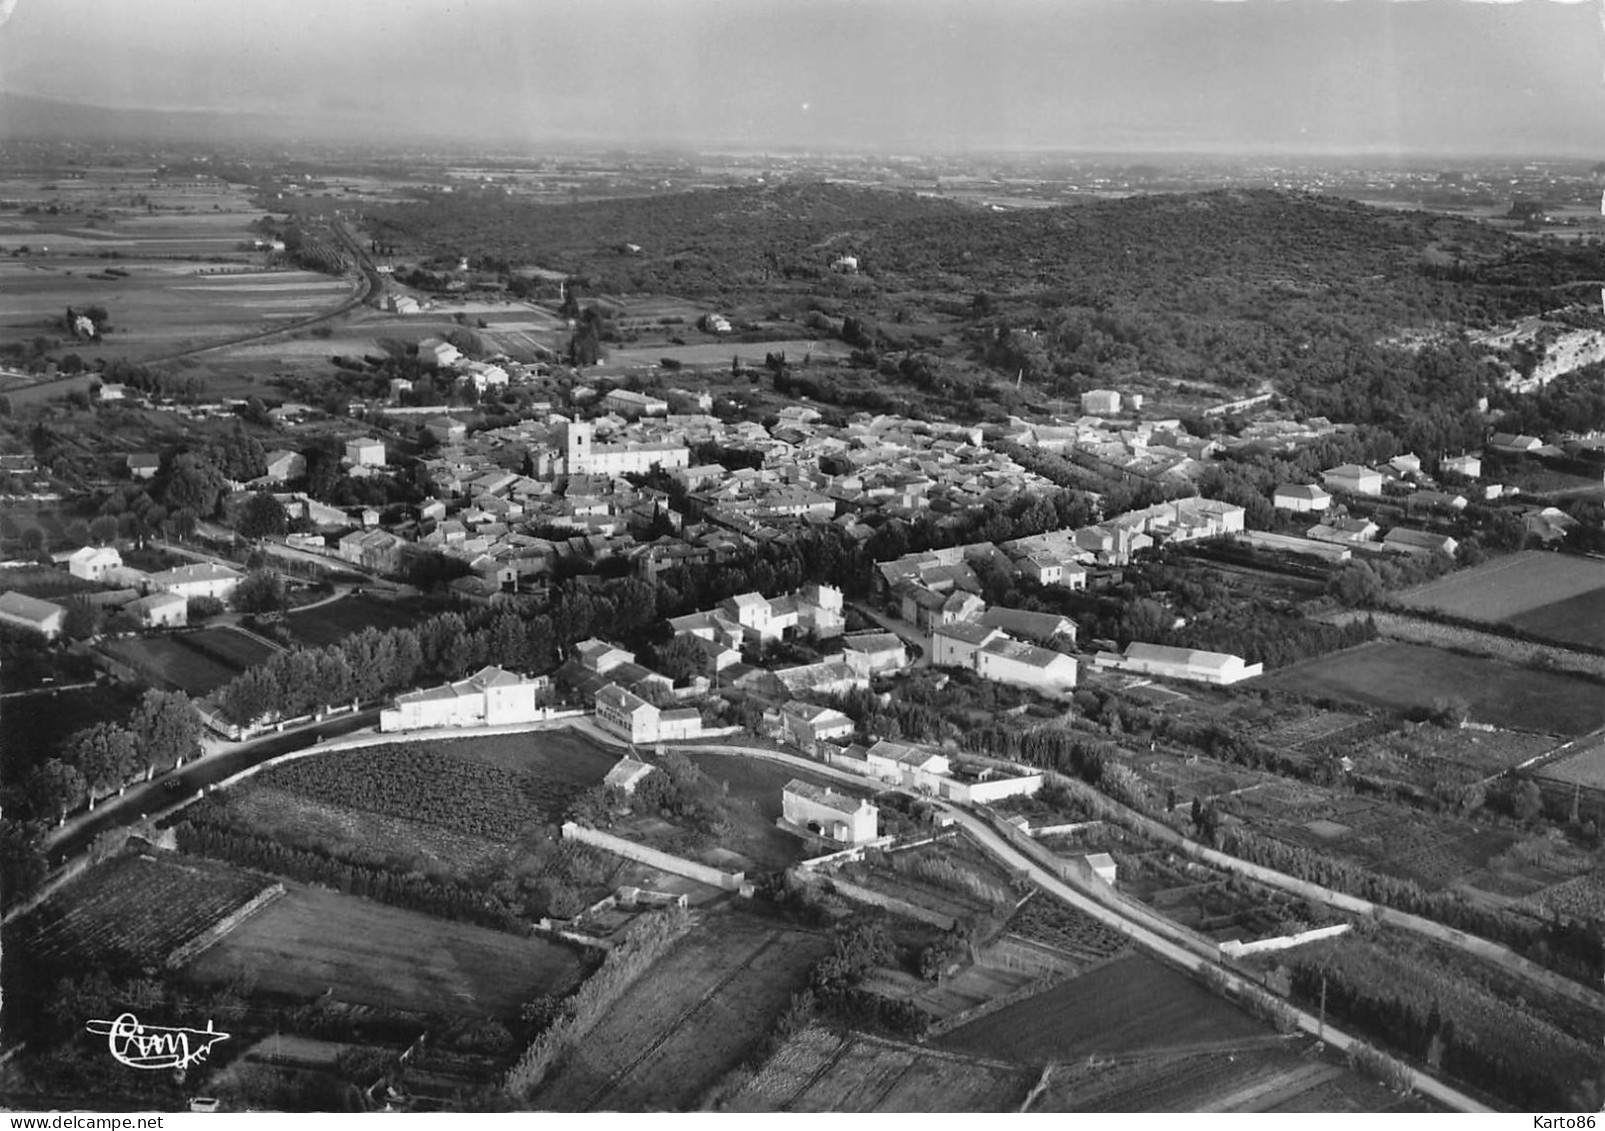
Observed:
{"x":26,"y":116}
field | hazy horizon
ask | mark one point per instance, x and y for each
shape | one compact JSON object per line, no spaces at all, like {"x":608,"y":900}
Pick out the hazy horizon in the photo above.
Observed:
{"x":1316,"y":78}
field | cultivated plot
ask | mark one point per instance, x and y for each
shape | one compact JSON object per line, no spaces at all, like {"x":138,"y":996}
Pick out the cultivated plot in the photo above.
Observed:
{"x":1557,"y":596}
{"x":313,"y":942}
{"x":700,"y":1011}
{"x":1413,"y":677}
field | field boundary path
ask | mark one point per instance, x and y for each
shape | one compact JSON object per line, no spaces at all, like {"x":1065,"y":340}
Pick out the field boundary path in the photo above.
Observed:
{"x":1471,"y":944}
{"x":1397,"y":624}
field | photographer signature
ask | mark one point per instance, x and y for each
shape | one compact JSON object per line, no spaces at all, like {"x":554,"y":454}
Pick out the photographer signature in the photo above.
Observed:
{"x":155,"y":1046}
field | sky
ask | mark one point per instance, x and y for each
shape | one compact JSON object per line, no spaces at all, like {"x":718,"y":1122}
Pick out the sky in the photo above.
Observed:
{"x":1487,"y":77}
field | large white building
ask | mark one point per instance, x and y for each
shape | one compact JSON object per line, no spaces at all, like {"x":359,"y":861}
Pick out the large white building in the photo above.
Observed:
{"x":30,"y":613}
{"x":365,"y":452}
{"x":584,"y":456}
{"x":634,"y":719}
{"x":491,"y":696}
{"x":1180,"y":663}
{"x":1025,"y":665}
{"x":203,"y":579}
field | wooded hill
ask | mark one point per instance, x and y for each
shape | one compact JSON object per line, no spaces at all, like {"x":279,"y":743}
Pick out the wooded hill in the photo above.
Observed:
{"x":1326,"y":300}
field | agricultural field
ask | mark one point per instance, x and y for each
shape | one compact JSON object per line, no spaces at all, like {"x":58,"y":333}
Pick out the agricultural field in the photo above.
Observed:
{"x":159,"y":307}
{"x":314,"y":941}
{"x":1068,"y":931}
{"x":696,"y":1014}
{"x":332,"y":622}
{"x":1246,"y":1080}
{"x":1409,"y":677}
{"x":1556,"y":596}
{"x":947,"y":877}
{"x":229,"y":645}
{"x":1134,"y":1004}
{"x":132,"y":911}
{"x":165,"y":662}
{"x":402,"y":845}
{"x":1427,"y":757}
{"x":45,"y":582}
{"x":416,"y":782}
{"x":819,"y":1070}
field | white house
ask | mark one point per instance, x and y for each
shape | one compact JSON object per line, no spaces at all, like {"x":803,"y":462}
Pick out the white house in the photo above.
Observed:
{"x":402,"y":304}
{"x":1025,"y":665}
{"x":816,"y":809}
{"x":807,"y":724}
{"x":631,"y":405}
{"x":144,"y":465}
{"x":365,"y":452}
{"x":627,"y":715}
{"x":160,"y":610}
{"x":491,"y":696}
{"x":1300,"y":498}
{"x":92,"y":562}
{"x":1100,"y":402}
{"x":437,"y":352}
{"x":1469,"y":466}
{"x":1353,"y":479}
{"x":22,"y":611}
{"x":1180,"y":663}
{"x":870,"y":653}
{"x":203,"y":579}
{"x":907,"y":765}
{"x":955,"y":645}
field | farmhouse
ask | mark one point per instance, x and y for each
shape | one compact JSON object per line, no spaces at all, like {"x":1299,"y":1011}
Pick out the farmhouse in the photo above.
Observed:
{"x":1300,"y":497}
{"x":491,"y":696}
{"x":92,"y":562}
{"x":21,"y":611}
{"x":144,"y":465}
{"x":437,"y":352}
{"x":445,"y":429}
{"x":1180,"y":663}
{"x":160,"y":610}
{"x":403,"y":304}
{"x":824,"y":812}
{"x":1469,"y":466}
{"x":203,"y":579}
{"x":955,"y":645}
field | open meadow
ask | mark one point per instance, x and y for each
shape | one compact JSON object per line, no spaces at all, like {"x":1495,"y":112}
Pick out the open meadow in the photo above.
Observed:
{"x":313,"y":941}
{"x":1410,"y":677}
{"x":696,"y":1014}
{"x":1560,"y":597}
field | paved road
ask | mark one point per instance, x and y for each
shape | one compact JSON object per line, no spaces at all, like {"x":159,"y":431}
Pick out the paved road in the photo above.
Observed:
{"x":158,"y":796}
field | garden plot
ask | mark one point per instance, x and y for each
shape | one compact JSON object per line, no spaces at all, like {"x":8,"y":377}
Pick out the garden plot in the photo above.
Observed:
{"x":134,"y":910}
